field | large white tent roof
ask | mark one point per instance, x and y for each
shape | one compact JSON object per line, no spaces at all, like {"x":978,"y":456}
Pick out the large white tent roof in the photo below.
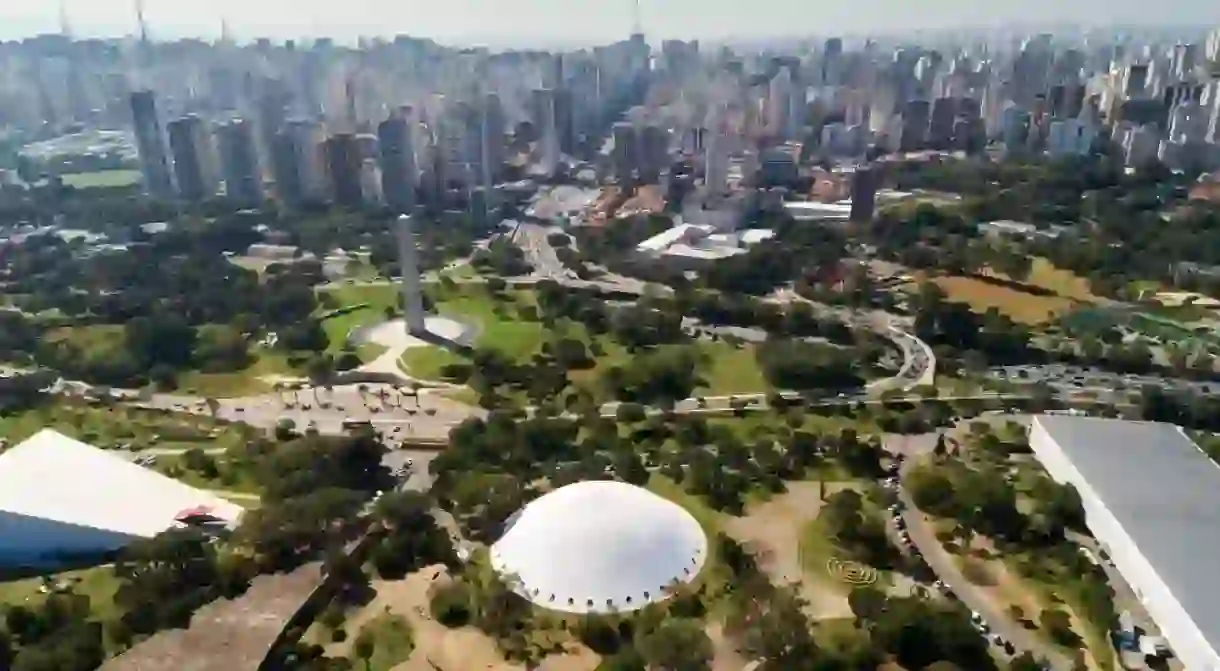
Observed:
{"x":598,"y":547}
{"x":53,"y":477}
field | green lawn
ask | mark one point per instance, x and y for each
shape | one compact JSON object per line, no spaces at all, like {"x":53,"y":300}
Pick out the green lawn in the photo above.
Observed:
{"x":98,"y":583}
{"x":103,"y":179}
{"x":499,"y":325}
{"x":425,"y":363}
{"x":392,"y":639}
{"x":375,"y":300}
{"x":730,"y":370}
{"x":110,"y":337}
{"x":90,"y":338}
{"x":228,"y":479}
{"x":107,"y":427}
{"x":246,"y":382}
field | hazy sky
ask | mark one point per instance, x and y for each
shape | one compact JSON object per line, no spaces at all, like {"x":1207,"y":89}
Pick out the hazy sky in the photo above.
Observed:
{"x":522,"y":21}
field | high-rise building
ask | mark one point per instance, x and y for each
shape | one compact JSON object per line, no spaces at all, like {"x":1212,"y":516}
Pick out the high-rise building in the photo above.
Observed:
{"x":1015,"y":128}
{"x":565,"y":120}
{"x":151,"y":145}
{"x":1135,"y":80}
{"x":864,"y":187}
{"x":544,"y":117}
{"x":344,"y":163}
{"x":1182,"y":61}
{"x":916,"y":117}
{"x":832,"y":62}
{"x":625,"y":154}
{"x":239,"y":162}
{"x":190,"y":142}
{"x":298,"y":163}
{"x":399,"y":172}
{"x":779,"y":103}
{"x":940,"y":128}
{"x":716,"y":154}
{"x":654,"y":153}
{"x":491,"y":141}
{"x":1211,"y":48}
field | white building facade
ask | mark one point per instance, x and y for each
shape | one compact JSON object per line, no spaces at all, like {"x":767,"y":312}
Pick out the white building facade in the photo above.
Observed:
{"x":1055,"y":440}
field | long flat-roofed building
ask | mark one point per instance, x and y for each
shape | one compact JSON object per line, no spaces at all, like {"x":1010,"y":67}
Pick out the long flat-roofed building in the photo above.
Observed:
{"x":1152,"y":499}
{"x":61,"y":499}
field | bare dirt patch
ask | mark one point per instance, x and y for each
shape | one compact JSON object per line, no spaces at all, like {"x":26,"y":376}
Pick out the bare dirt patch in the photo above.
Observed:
{"x":438,"y":648}
{"x":772,"y":529}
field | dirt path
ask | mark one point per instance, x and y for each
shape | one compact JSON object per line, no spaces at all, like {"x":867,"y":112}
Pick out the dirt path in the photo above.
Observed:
{"x":773,"y":530}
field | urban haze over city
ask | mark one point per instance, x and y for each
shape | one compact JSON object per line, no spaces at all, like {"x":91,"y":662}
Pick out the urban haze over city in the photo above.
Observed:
{"x":652,"y":335}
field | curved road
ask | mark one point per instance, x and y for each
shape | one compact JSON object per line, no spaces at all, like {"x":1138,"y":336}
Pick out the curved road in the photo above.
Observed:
{"x":923,"y":536}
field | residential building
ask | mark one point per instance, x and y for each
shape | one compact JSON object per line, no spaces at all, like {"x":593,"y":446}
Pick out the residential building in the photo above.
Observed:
{"x":190,"y":142}
{"x":150,"y":142}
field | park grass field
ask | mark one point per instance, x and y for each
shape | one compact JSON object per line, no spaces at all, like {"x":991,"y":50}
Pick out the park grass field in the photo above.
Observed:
{"x":1053,"y":293}
{"x":250,"y":381}
{"x":1022,"y":307}
{"x":104,"y":179}
{"x":99,"y":584}
{"x":106,"y":427}
{"x":98,"y":339}
{"x":1061,"y":282}
{"x":730,"y":370}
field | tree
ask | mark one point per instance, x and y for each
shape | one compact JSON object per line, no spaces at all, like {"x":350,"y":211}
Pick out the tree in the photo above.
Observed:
{"x":630,"y":413}
{"x":1026,"y":662}
{"x":364,"y":647}
{"x":1058,"y":626}
{"x":867,"y":603}
{"x":676,"y":644}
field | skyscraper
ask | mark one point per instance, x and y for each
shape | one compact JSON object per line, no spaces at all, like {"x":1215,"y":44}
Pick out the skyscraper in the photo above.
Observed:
{"x":940,"y":129}
{"x":190,"y":142}
{"x":491,"y":141}
{"x":779,"y":103}
{"x":298,"y":164}
{"x":151,"y":145}
{"x":544,"y":118}
{"x":864,"y":194}
{"x":239,"y":162}
{"x":344,"y":161}
{"x":399,"y":174}
{"x":832,"y":58}
{"x":654,"y":153}
{"x":625,"y":154}
{"x":916,"y":117}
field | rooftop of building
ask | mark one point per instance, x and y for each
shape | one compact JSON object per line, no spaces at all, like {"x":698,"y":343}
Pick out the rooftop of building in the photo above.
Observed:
{"x":54,"y":477}
{"x":1164,"y":491}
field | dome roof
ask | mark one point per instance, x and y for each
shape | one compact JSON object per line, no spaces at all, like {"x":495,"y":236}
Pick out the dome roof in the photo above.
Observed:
{"x":599,"y":546}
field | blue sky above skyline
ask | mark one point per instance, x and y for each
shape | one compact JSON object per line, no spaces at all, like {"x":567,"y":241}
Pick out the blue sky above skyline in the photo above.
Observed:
{"x":526,"y":21}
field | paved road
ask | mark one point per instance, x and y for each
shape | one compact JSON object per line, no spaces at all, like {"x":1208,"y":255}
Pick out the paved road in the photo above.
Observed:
{"x":923,"y":536}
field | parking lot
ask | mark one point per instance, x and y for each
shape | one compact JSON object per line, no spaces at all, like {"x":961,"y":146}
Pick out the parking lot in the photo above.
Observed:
{"x":1069,"y":379}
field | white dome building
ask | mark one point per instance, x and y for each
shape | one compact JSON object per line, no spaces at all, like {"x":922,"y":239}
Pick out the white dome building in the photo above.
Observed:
{"x":599,"y":547}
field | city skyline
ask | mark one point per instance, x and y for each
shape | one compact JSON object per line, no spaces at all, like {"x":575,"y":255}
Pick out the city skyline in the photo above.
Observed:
{"x":519,"y":22}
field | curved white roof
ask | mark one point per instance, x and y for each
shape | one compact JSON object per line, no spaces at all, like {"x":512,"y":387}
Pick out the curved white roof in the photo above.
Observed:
{"x":599,"y":546}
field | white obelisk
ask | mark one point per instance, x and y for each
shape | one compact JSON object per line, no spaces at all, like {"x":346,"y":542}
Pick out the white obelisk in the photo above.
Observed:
{"x":412,"y":289}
